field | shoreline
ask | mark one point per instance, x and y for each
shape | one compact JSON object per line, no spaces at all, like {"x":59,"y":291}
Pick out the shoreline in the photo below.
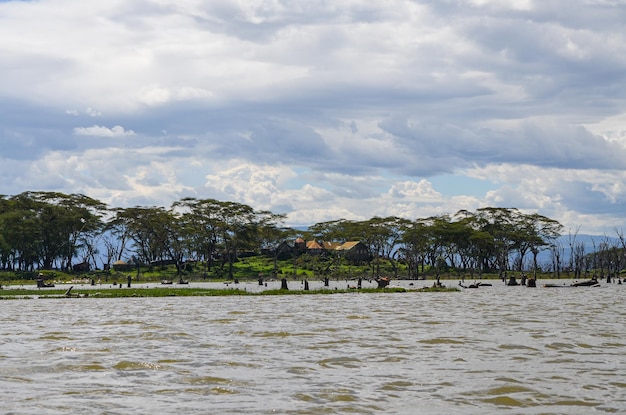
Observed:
{"x":47,"y":293}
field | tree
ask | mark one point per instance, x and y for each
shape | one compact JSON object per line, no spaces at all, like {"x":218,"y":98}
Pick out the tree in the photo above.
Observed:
{"x":436,"y":240}
{"x":541,"y":232}
{"x":414,"y":245}
{"x":557,"y":252}
{"x":51,"y":226}
{"x":577,"y":254}
{"x":21,"y":238}
{"x":202,"y":221}
{"x":229,"y":227}
{"x":150,"y":229}
{"x":382,"y":236}
{"x":500,"y":224}
{"x":237,"y":229}
{"x":271,"y":234}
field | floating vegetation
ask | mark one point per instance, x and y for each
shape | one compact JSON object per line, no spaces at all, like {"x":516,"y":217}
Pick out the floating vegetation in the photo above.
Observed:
{"x":186,"y":292}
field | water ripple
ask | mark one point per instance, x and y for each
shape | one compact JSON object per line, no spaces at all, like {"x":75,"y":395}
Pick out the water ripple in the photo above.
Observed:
{"x":502,"y":350}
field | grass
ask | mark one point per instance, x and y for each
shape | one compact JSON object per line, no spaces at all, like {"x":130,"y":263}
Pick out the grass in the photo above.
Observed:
{"x":245,"y":269}
{"x":23,"y":293}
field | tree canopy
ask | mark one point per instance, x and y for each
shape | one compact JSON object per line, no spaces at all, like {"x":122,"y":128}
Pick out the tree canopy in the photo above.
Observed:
{"x":44,"y":230}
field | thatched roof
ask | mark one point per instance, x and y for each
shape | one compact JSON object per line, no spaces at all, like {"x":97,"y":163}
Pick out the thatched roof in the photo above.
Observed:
{"x":348,"y":245}
{"x":313,"y":245}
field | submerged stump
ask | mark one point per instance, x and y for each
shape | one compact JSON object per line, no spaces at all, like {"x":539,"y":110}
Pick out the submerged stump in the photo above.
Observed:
{"x":512,"y":282}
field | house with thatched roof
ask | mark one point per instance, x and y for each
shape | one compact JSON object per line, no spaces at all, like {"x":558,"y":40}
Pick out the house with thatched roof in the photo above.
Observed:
{"x":330,"y":246}
{"x":314,"y":248}
{"x":354,"y":251}
{"x":285,"y":250}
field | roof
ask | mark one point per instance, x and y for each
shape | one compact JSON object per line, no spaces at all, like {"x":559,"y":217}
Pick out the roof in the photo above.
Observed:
{"x":348,"y":245}
{"x":330,"y":245}
{"x":313,"y":245}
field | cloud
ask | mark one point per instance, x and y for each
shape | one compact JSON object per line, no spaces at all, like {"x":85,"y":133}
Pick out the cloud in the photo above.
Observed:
{"x":421,"y":190}
{"x":99,"y":131}
{"x":534,"y":141}
{"x":591,"y":191}
{"x":321,"y":109}
{"x":89,"y":111}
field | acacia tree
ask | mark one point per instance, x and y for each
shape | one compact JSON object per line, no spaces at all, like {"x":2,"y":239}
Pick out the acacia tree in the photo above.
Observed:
{"x":271,"y":234}
{"x":203,"y":222}
{"x":237,"y":229}
{"x":336,"y":230}
{"x":460,"y":236}
{"x":150,"y":229}
{"x":481,"y":245}
{"x":21,"y":236}
{"x":500,"y":224}
{"x":111,"y":248}
{"x":538,"y":233}
{"x":413,"y":247}
{"x":383,"y":236}
{"x":117,"y":231}
{"x":474,"y":245}
{"x":51,"y":226}
{"x":436,"y":239}
{"x":44,"y":229}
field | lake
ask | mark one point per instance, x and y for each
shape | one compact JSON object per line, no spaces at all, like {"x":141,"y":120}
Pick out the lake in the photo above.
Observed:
{"x":492,"y":350}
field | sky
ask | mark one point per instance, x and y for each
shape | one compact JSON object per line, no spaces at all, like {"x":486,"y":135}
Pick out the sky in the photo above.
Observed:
{"x":321,"y":109}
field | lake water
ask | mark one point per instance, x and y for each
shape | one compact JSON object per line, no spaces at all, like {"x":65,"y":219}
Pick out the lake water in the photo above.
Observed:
{"x":492,"y":350}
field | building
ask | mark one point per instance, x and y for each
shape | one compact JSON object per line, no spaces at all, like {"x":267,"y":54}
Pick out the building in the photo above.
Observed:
{"x":355,"y":251}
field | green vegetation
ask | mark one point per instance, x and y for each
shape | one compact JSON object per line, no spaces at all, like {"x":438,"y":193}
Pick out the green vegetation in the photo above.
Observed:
{"x":65,"y":237}
{"x":249,"y":268}
{"x":119,"y":292}
{"x":186,"y":292}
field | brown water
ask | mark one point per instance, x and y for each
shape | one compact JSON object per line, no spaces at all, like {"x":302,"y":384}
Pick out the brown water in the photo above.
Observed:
{"x":494,"y":350}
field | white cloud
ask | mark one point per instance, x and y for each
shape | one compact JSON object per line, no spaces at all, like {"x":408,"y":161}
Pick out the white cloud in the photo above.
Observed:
{"x":92,"y":112}
{"x":422,"y":190}
{"x":562,"y":194}
{"x":511,"y":4}
{"x":612,"y":128}
{"x":99,"y":131}
{"x":89,"y":111}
